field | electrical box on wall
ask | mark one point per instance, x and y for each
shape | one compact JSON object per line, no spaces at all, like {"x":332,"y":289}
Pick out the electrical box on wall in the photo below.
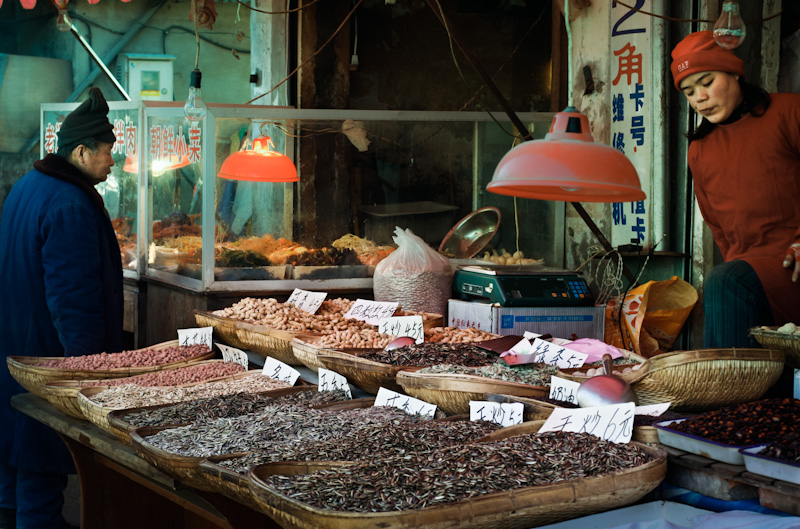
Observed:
{"x":146,"y":76}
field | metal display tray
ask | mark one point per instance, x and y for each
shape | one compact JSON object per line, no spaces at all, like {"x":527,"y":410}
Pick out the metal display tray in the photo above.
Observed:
{"x":771,"y":467}
{"x":697,"y":445}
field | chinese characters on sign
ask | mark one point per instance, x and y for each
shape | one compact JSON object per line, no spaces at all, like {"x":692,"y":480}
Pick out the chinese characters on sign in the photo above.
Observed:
{"x":502,"y":413}
{"x":371,"y":311}
{"x":199,"y":335}
{"x":277,"y":370}
{"x":332,"y":381}
{"x":232,"y":354}
{"x":410,"y":405}
{"x":307,"y":300}
{"x":410,"y":326}
{"x":613,"y":423}
{"x":631,"y":108}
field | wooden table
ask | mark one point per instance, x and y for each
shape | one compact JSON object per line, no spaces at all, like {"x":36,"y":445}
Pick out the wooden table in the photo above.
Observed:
{"x":120,"y":489}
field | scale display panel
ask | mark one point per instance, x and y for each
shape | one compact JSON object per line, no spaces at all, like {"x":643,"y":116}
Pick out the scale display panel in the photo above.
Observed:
{"x":514,"y":288}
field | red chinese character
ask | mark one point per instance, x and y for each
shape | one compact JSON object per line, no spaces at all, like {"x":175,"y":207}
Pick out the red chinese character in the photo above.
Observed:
{"x":629,"y":64}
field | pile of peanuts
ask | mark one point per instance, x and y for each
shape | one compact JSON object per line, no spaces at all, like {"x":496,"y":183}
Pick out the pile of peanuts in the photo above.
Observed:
{"x":134,"y":358}
{"x":174,"y":377}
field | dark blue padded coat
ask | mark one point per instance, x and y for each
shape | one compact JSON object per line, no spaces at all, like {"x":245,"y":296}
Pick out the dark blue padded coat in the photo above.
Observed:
{"x":60,"y":293}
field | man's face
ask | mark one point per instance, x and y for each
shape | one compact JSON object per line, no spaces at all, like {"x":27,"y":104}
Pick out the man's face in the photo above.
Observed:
{"x":95,"y":164}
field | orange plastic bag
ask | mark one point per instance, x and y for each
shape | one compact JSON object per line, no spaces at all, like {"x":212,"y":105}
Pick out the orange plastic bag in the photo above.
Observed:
{"x":652,"y":316}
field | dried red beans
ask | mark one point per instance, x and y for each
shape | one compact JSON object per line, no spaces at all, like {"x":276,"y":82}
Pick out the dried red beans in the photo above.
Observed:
{"x":134,"y":358}
{"x":175,"y":377}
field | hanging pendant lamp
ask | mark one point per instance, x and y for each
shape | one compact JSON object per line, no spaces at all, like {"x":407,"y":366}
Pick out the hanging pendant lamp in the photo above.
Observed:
{"x":567,"y":165}
{"x":159,"y":166}
{"x":260,"y":164}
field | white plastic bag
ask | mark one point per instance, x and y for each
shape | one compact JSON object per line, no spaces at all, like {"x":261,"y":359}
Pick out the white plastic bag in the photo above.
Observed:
{"x":415,"y":275}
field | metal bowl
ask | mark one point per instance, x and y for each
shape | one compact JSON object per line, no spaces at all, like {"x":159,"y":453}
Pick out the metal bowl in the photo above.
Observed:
{"x":471,"y":234}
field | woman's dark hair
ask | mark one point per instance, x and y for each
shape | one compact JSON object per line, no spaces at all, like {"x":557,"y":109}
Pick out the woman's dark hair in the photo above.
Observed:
{"x":756,"y":101}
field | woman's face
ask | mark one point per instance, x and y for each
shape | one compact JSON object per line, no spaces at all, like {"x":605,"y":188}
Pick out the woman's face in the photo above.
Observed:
{"x":713,"y":95}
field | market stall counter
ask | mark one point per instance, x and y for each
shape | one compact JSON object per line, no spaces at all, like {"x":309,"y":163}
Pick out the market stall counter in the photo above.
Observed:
{"x":120,"y":489}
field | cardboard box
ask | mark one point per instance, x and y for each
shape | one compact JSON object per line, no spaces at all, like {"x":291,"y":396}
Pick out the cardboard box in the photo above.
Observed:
{"x":562,"y":322}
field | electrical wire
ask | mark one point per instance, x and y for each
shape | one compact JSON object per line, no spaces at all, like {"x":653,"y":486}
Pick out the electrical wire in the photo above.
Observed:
{"x":295,"y":10}
{"x":758,"y":21}
{"x":336,"y":32}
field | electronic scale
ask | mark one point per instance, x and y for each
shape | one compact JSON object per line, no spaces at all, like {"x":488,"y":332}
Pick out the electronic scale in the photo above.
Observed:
{"x":509,"y":286}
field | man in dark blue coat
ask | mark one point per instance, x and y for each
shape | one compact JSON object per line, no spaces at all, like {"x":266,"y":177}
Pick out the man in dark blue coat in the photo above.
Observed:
{"x":60,"y":295}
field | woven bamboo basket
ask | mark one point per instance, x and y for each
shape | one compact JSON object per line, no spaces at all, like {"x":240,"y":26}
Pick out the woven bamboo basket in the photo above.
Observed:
{"x":185,"y":469}
{"x":63,"y":394}
{"x":93,"y":412}
{"x":515,"y":509}
{"x":452,"y":392}
{"x":788,"y":343}
{"x":250,"y":337}
{"x":31,"y":376}
{"x":703,"y":379}
{"x":307,"y":351}
{"x":366,"y":375}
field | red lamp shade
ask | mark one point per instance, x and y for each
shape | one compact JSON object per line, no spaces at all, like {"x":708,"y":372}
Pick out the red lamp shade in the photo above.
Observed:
{"x":567,"y":165}
{"x":261,"y":164}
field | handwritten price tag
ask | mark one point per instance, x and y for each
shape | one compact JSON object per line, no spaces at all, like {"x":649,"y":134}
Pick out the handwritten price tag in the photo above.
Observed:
{"x":332,"y":381}
{"x":277,"y":370}
{"x":563,"y":389}
{"x":197,"y":335}
{"x":654,"y":410}
{"x":528,"y":335}
{"x":612,"y":423}
{"x":371,"y":311}
{"x":503,"y":413}
{"x":307,"y":300}
{"x":410,"y":326}
{"x":556,"y":355}
{"x":232,"y":354}
{"x":410,"y":405}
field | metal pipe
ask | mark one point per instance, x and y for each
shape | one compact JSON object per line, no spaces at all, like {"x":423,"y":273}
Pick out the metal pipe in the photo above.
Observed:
{"x":99,"y":61}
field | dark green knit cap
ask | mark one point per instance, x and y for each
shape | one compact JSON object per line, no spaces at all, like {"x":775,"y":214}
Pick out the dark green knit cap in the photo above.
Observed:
{"x":89,"y":120}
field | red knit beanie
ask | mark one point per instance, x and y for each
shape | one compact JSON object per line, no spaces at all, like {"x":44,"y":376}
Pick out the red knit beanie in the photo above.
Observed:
{"x":698,"y":52}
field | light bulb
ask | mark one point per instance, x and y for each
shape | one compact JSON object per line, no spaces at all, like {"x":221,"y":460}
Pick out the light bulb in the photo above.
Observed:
{"x":729,"y":31}
{"x":195,"y":108}
{"x":63,"y":22}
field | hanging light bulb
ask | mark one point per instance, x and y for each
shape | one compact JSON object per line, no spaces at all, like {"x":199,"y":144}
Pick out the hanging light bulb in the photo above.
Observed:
{"x":63,"y":22}
{"x":195,"y":108}
{"x":729,"y":31}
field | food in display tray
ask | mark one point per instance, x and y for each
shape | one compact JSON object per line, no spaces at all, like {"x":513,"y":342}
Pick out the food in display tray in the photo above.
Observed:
{"x":697,"y":445}
{"x":771,"y":467}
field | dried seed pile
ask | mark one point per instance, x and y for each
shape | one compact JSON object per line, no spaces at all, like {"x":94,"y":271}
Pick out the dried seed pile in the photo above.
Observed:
{"x":133,"y":358}
{"x":426,"y":291}
{"x":752,"y":423}
{"x":173,"y":377}
{"x":273,"y":425}
{"x":456,"y":335}
{"x":531,"y":374}
{"x":423,"y":479}
{"x":432,"y":353}
{"x":373,"y":442}
{"x":227,"y":406}
{"x":787,"y":448}
{"x":133,"y":396}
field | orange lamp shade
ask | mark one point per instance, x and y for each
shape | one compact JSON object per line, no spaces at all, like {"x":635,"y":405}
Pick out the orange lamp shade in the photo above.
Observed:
{"x":261,"y":164}
{"x":567,"y":165}
{"x":159,"y":166}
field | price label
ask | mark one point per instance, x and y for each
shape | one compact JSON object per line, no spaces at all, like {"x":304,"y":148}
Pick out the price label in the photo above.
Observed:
{"x":556,"y":355}
{"x":194,"y":336}
{"x":371,"y":311}
{"x":410,"y":326}
{"x":613,"y":423}
{"x":410,"y":405}
{"x":332,"y":381}
{"x":232,"y":354}
{"x":277,"y":370}
{"x":528,"y":335}
{"x":654,"y":410}
{"x":503,"y":413}
{"x":563,"y":389}
{"x":522,"y":347}
{"x":307,"y":300}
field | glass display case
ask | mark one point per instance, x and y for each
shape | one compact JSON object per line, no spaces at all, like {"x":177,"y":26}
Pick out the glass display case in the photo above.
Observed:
{"x":268,"y":199}
{"x":122,"y":189}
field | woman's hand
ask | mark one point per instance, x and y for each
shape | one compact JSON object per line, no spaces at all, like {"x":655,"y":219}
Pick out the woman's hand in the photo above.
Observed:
{"x":793,"y":258}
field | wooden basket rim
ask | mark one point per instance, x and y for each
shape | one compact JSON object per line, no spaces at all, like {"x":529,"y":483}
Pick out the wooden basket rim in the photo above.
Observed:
{"x":437,"y":380}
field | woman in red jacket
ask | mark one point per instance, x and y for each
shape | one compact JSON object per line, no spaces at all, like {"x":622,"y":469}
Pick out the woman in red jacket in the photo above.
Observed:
{"x":745,"y":163}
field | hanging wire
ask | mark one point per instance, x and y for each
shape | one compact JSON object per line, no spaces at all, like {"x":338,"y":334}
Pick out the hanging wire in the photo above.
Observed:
{"x":277,"y":12}
{"x":338,"y":29}
{"x":758,"y":21}
{"x":196,"y":35}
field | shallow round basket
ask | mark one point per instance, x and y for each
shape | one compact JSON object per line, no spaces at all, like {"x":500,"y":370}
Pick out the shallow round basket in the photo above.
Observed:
{"x":307,"y":351}
{"x":227,"y":482}
{"x":63,"y":394}
{"x":514,"y":509}
{"x":453,"y":392}
{"x":367,"y":375}
{"x":772,"y":339}
{"x":703,"y":379}
{"x":92,"y":411}
{"x":31,"y":376}
{"x":185,"y":469}
{"x":260,"y":339}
